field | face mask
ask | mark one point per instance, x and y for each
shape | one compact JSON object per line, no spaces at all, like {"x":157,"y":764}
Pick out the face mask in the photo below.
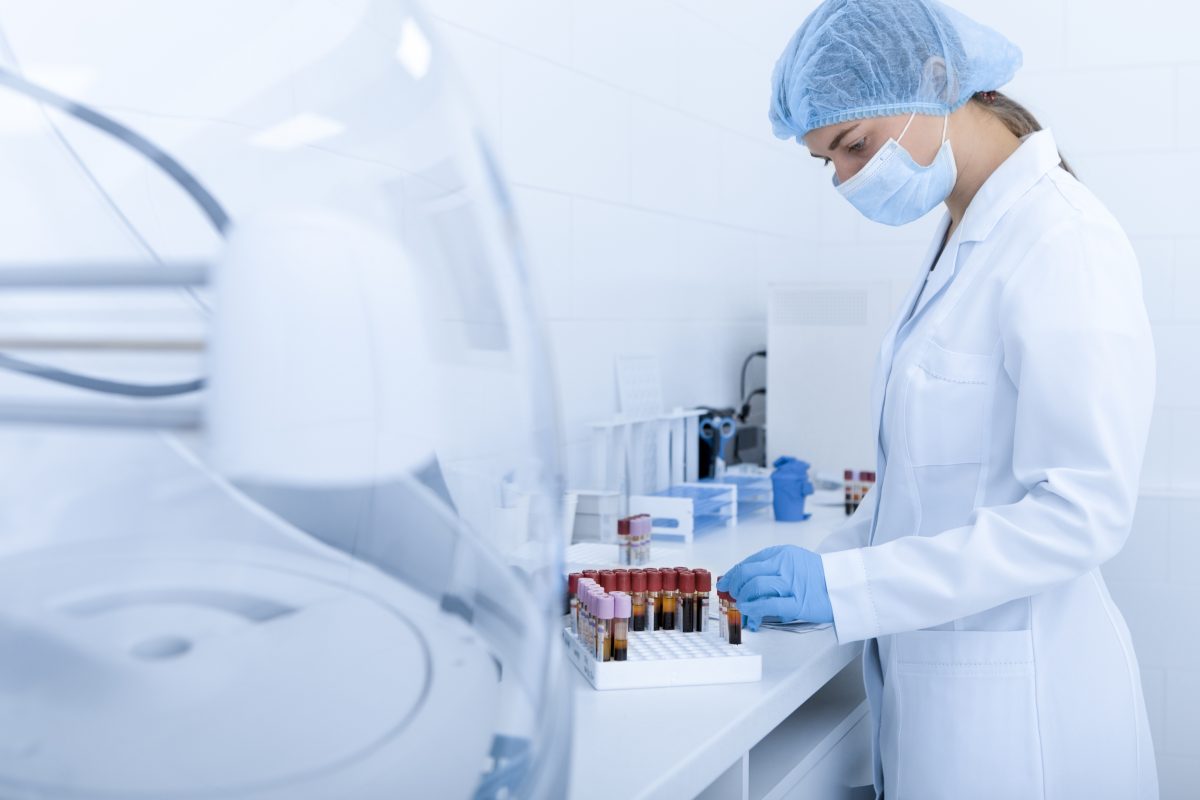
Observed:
{"x":895,"y":190}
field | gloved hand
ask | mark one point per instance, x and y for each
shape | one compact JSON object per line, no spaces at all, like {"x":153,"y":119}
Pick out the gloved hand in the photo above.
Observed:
{"x":784,"y":581}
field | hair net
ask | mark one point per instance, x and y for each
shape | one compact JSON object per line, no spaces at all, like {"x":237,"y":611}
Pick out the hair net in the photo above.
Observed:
{"x":853,"y":59}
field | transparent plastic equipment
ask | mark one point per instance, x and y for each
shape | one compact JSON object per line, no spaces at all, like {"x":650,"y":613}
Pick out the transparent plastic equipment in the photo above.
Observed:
{"x":277,"y":428}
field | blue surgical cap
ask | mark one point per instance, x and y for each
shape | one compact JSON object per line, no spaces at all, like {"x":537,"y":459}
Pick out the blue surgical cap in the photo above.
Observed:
{"x":853,"y":59}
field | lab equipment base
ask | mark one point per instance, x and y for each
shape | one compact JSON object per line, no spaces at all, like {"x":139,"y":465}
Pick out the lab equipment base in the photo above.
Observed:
{"x":668,"y":658}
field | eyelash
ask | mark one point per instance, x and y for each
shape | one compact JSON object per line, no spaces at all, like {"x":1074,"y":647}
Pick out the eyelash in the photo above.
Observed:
{"x":857,"y":147}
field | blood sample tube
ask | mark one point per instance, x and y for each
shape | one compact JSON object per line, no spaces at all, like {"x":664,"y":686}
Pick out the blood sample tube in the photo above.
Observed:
{"x":593,"y":629}
{"x":586,"y":620}
{"x":670,"y":597}
{"x":849,"y":476}
{"x":703,"y":589}
{"x":635,"y":537}
{"x":582,"y":611}
{"x":572,"y":601}
{"x":592,"y":575}
{"x":594,"y":621}
{"x":723,"y":614}
{"x":581,"y":589}
{"x":622,"y":609}
{"x":687,"y":601}
{"x":608,"y":580}
{"x":735,"y":621}
{"x":623,"y":584}
{"x":624,"y":544}
{"x":654,"y":600}
{"x":638,"y":581}
{"x":679,"y":598}
{"x":581,"y":595}
{"x":604,"y":618}
{"x":643,"y":526}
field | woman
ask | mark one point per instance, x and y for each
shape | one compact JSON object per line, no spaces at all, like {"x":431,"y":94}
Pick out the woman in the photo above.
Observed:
{"x":1012,"y":397}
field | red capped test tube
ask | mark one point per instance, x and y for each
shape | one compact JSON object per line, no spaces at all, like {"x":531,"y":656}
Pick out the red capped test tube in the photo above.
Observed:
{"x":624,"y":541}
{"x":654,"y":600}
{"x":670,"y":598}
{"x":638,"y":584}
{"x":687,"y":601}
{"x":608,"y":580}
{"x":623,"y":584}
{"x":703,"y":591}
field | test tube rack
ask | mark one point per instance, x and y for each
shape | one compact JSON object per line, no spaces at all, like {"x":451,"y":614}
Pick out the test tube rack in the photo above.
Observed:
{"x":687,"y":508}
{"x":645,"y":453}
{"x":667,"y":658}
{"x":754,"y":489}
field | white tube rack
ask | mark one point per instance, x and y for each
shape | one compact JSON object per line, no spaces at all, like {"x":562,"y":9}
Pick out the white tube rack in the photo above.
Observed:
{"x":667,"y":658}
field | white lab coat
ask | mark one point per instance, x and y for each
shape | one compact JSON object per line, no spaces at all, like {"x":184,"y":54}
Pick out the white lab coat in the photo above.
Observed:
{"x":1017,"y":399}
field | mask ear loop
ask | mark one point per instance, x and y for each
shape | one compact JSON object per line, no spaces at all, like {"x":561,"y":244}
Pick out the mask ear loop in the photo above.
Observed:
{"x":945,"y":126}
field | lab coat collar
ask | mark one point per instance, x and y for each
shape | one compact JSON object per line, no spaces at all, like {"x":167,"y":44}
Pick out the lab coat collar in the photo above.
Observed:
{"x":1037,"y":155}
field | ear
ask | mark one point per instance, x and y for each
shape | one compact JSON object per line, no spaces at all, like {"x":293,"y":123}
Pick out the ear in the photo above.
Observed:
{"x":937,"y":83}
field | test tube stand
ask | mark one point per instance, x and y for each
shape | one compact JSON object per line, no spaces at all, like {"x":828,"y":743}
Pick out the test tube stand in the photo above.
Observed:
{"x":668,"y":658}
{"x":642,"y":454}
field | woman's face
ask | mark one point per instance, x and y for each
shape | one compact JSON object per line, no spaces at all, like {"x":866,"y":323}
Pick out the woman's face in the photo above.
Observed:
{"x":847,"y":146}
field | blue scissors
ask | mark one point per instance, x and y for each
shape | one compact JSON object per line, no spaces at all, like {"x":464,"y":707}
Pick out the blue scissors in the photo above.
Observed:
{"x":717,"y":431}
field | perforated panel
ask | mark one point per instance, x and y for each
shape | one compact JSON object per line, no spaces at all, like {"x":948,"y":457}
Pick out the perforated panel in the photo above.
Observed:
{"x":819,"y":306}
{"x":823,"y":339}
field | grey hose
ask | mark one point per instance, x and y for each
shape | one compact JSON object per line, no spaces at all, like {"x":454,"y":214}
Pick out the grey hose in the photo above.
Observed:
{"x":176,"y":171}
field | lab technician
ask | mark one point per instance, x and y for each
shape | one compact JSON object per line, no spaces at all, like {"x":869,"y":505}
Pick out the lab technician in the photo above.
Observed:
{"x":1012,"y":399}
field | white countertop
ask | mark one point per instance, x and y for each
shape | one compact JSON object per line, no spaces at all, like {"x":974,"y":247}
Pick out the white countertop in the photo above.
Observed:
{"x":673,"y":742}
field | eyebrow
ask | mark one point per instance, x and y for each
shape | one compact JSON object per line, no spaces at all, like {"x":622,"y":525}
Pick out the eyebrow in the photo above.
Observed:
{"x":837,"y":140}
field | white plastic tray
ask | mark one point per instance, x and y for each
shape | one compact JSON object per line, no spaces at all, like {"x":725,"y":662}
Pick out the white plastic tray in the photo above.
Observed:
{"x":668,"y":658}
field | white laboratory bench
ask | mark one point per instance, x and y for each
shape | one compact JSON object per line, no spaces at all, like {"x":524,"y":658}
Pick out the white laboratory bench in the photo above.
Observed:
{"x":800,"y":732}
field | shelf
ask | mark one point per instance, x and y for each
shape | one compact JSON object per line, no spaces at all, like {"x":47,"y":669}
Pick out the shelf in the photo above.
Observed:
{"x":797,"y":745}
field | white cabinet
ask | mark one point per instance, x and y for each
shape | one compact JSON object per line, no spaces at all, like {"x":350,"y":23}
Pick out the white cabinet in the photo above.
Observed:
{"x":821,"y":751}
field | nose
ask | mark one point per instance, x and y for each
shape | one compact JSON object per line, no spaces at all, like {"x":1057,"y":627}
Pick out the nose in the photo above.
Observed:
{"x":845,"y":171}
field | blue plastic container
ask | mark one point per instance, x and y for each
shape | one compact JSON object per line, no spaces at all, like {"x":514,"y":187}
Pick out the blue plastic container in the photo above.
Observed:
{"x":791,"y":485}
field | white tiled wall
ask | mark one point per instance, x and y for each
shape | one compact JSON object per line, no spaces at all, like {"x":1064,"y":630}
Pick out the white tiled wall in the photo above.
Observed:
{"x":653,"y":197}
{"x":657,"y":206}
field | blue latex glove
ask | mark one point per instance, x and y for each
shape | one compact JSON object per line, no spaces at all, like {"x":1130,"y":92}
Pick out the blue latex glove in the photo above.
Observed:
{"x":784,"y":581}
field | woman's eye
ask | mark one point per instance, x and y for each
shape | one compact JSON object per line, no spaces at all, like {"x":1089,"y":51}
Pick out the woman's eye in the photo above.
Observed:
{"x":858,"y":146}
{"x":827,"y":161}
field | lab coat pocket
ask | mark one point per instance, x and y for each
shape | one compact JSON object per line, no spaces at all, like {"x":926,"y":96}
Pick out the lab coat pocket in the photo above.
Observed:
{"x":967,"y":712}
{"x":946,"y":406}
